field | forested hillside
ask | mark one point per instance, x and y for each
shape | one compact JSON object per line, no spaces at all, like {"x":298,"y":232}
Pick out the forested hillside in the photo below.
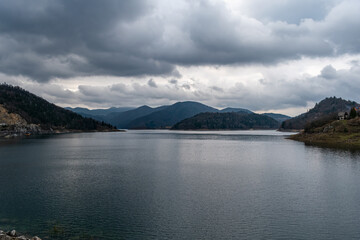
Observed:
{"x":227,"y":121}
{"x":324,"y":109}
{"x":36,"y":110}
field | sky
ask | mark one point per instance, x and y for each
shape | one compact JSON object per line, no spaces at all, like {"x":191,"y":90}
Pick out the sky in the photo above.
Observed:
{"x":267,"y":56}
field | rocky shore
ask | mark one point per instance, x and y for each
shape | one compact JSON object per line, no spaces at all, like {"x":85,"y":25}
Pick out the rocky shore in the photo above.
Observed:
{"x":22,"y":130}
{"x":34,"y":130}
{"x":13,"y":235}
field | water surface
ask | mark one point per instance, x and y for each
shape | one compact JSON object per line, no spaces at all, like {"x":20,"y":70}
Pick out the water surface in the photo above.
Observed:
{"x":178,"y":185}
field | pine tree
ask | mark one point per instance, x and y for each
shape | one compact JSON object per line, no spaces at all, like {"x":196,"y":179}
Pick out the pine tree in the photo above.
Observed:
{"x":352,"y":113}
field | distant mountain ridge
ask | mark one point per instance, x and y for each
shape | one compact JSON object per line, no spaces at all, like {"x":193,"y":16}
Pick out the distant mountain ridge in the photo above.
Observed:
{"x":146,"y":117}
{"x":165,"y":117}
{"x":168,"y":116}
{"x":278,"y":117}
{"x":124,"y":119}
{"x":326,"y":107}
{"x":227,"y":121}
{"x":98,"y":114}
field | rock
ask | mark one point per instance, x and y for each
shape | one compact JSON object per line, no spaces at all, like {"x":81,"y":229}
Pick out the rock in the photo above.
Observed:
{"x":5,"y":237}
{"x":12,"y":233}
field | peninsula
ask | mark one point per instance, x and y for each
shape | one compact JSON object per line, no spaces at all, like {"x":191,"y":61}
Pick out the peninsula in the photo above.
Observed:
{"x":337,"y":133}
{"x":333,"y":122}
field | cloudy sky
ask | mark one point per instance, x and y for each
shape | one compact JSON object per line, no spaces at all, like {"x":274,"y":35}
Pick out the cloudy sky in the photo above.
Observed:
{"x":280,"y":55}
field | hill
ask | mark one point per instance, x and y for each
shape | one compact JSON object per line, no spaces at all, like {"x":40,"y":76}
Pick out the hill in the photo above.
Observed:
{"x":22,"y":111}
{"x":332,"y":133}
{"x":170,"y":115}
{"x":278,"y":117}
{"x":122,"y":120}
{"x":229,"y":109}
{"x":322,"y":109}
{"x":227,"y":121}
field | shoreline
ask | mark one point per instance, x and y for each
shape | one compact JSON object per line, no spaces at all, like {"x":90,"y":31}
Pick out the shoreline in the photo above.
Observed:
{"x":335,"y":141}
{"x":216,"y":130}
{"x":13,"y":235}
{"x":17,"y":134}
{"x":344,"y":134}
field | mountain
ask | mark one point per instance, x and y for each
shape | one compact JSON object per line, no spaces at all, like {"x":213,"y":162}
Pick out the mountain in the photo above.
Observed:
{"x":328,"y":106}
{"x":98,"y":112}
{"x":22,"y":111}
{"x":170,"y":115}
{"x":145,"y":117}
{"x":123,"y":119}
{"x":278,"y":117}
{"x":227,"y":121}
{"x":229,"y":109}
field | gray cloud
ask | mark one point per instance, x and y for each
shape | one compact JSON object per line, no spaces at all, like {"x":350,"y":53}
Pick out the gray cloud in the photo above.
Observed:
{"x":283,"y":93}
{"x":217,"y":89}
{"x":152,"y":83}
{"x":173,"y":81}
{"x":290,"y":11}
{"x":64,"y":39}
{"x":344,"y":83}
{"x":328,"y":72}
{"x":186,"y":86}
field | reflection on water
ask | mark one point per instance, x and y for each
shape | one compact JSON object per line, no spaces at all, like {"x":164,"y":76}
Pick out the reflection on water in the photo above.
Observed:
{"x":178,"y":185}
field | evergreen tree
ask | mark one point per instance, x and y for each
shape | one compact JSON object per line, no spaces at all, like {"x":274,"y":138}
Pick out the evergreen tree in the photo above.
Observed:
{"x":352,"y":113}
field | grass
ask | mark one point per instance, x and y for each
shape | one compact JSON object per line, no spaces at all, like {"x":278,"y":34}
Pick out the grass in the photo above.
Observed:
{"x":338,"y":134}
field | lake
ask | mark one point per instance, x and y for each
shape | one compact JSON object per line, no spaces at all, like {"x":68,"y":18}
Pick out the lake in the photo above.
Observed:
{"x":178,"y":185}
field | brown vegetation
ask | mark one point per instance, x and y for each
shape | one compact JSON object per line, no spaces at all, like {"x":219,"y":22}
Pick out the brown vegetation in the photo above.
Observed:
{"x":338,"y":133}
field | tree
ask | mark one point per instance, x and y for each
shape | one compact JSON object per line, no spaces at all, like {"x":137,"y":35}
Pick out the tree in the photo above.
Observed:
{"x":352,"y":113}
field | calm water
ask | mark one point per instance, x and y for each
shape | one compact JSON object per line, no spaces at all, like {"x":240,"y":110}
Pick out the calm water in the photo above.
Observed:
{"x":178,"y":185}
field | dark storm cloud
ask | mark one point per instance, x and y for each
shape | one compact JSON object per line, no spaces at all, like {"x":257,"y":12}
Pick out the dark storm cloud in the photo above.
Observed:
{"x":45,"y":39}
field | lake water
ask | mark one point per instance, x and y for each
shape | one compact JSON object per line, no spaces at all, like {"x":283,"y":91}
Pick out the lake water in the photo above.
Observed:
{"x":178,"y":185}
